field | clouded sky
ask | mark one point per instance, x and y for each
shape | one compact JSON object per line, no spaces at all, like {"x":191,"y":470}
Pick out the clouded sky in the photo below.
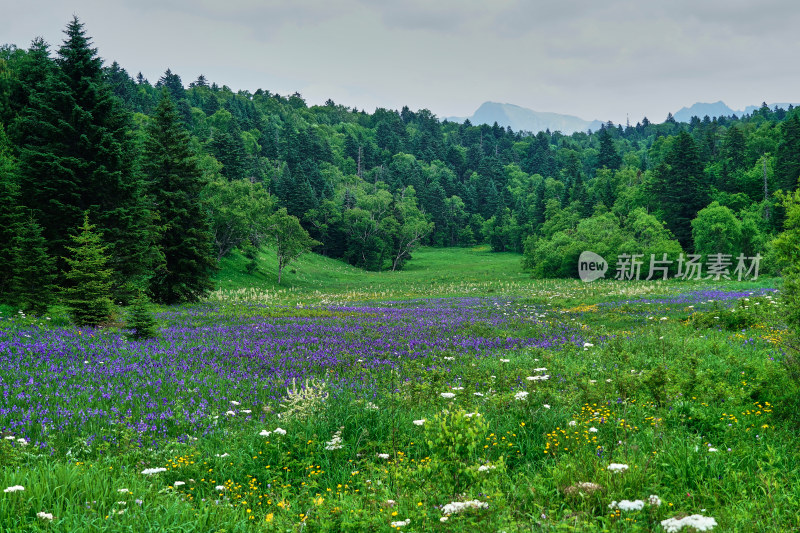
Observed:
{"x":599,"y":59}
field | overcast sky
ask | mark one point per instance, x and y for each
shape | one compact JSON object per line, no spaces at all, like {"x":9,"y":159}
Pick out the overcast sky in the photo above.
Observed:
{"x":599,"y":59}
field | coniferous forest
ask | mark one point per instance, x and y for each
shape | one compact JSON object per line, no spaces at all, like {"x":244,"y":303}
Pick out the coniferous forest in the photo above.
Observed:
{"x":171,"y":178}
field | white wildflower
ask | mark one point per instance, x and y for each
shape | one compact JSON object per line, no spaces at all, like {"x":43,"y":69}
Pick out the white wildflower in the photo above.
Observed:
{"x":336,"y":441}
{"x":178,"y":483}
{"x":546,"y":406}
{"x":486,"y":468}
{"x":371,"y":407}
{"x":505,"y":360}
{"x":449,"y":358}
{"x":617,"y":467}
{"x":543,"y":377}
{"x":458,"y":388}
{"x":22,"y":442}
{"x":521,"y":395}
{"x":627,"y":505}
{"x":230,"y":413}
{"x":123,"y":491}
{"x":477,"y":394}
{"x":14,"y":488}
{"x":151,"y":471}
{"x":226,"y":454}
{"x":390,"y":503}
{"x":447,"y":395}
{"x":383,"y":455}
{"x":443,"y":519}
{"x":220,"y":488}
{"x":44,"y":516}
{"x":592,"y":430}
{"x":542,"y":369}
{"x":696,"y":521}
{"x":279,"y":431}
{"x":654,"y":500}
{"x":457,"y":507}
{"x":572,"y":423}
{"x":234,"y":402}
{"x":401,"y":523}
{"x":419,"y":422}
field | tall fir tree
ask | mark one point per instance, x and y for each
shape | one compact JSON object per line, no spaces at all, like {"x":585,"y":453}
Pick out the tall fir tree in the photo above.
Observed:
{"x":174,"y":182}
{"x":681,"y":188}
{"x":88,"y":297}
{"x":76,"y":155}
{"x":32,"y":285}
{"x":9,"y":211}
{"x":608,"y":157}
{"x":787,"y":161}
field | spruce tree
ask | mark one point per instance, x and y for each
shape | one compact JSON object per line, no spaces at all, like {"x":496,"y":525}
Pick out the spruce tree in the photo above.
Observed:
{"x":75,"y":154}
{"x":608,"y":156}
{"x":34,"y":271}
{"x":140,"y":319}
{"x":681,"y":188}
{"x":88,"y":297}
{"x":9,"y":210}
{"x":175,"y":182}
{"x":787,"y":161}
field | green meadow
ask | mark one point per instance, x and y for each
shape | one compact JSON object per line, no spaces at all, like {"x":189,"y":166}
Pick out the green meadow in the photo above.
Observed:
{"x":456,"y":395}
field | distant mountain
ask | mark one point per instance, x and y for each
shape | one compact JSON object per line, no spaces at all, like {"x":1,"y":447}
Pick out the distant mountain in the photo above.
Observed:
{"x":523,"y":119}
{"x":719,"y":109}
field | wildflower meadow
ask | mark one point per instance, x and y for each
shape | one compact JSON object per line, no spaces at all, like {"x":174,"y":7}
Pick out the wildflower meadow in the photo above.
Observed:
{"x":479,"y":400}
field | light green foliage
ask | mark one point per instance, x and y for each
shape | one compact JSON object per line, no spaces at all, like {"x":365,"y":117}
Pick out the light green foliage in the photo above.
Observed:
{"x":604,"y":235}
{"x":788,"y":247}
{"x":88,"y":297}
{"x":716,"y":230}
{"x":288,"y":237}
{"x":238,"y":211}
{"x":412,"y":228}
{"x":454,"y":440}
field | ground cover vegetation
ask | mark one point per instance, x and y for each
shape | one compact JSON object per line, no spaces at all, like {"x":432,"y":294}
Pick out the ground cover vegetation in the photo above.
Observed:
{"x":482,"y":401}
{"x":172,"y":358}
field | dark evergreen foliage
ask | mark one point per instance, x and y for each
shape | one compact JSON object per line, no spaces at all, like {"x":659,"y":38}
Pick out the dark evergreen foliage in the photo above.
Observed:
{"x":75,"y":154}
{"x":33,"y":283}
{"x":141,"y":321}
{"x":174,"y":182}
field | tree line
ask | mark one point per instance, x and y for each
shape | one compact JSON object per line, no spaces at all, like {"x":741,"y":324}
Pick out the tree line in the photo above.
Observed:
{"x":173,"y":178}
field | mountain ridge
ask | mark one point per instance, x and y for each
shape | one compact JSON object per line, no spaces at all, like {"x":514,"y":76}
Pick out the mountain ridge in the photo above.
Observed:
{"x":523,"y":119}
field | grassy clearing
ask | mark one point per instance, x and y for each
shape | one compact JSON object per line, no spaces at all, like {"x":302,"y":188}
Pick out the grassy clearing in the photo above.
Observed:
{"x":294,"y":409}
